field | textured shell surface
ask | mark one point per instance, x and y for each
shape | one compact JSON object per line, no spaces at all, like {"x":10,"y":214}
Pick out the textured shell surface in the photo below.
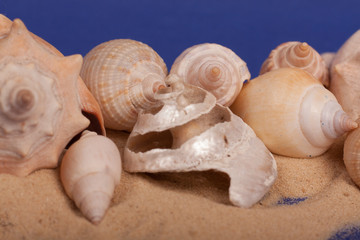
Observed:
{"x":300,"y":55}
{"x":215,"y":138}
{"x":39,"y":103}
{"x":352,"y":154}
{"x":345,"y":75}
{"x":292,"y":113}
{"x":214,"y":68}
{"x":123,"y":75}
{"x":90,"y":170}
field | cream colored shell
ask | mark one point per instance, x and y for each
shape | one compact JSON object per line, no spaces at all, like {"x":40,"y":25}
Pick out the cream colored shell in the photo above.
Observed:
{"x":292,"y":113}
{"x":300,"y":55}
{"x":123,"y":75}
{"x":190,"y":132}
{"x":39,"y":104}
{"x":345,"y":75}
{"x":214,"y":68}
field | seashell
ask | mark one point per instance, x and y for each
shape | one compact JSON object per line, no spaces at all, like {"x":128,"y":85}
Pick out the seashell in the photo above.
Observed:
{"x":345,"y":75}
{"x":190,"y":132}
{"x":351,"y":154}
{"x":328,"y":57}
{"x":90,"y":170}
{"x":300,"y":55}
{"x":214,"y":68}
{"x":123,"y":75}
{"x":40,"y":110}
{"x":292,"y":113}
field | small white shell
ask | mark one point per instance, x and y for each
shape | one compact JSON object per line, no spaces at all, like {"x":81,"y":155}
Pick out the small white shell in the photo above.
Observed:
{"x":214,"y":68}
{"x":123,"y":76}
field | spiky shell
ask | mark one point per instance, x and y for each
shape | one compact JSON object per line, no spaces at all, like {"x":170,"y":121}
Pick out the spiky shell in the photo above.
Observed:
{"x":39,"y":107}
{"x":292,"y":113}
{"x":345,"y":75}
{"x":123,"y":75}
{"x":190,"y":132}
{"x":214,"y":68}
{"x":300,"y":55}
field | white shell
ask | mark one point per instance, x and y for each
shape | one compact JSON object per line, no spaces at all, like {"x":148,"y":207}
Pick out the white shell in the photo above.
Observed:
{"x":214,"y":68}
{"x":192,"y":133}
{"x":123,"y":76}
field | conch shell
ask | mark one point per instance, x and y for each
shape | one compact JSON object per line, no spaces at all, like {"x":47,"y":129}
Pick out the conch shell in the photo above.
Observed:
{"x":300,"y":55}
{"x":90,"y":170}
{"x":190,"y":132}
{"x":40,"y":108}
{"x":292,"y":113}
{"x":345,"y":75}
{"x":123,"y":76}
{"x":214,"y":68}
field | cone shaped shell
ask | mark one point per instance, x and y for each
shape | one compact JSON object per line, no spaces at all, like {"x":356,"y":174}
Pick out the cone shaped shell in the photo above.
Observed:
{"x":300,"y":55}
{"x":214,"y":68}
{"x":345,"y":75}
{"x":90,"y":170}
{"x":292,"y":113}
{"x":123,"y":75}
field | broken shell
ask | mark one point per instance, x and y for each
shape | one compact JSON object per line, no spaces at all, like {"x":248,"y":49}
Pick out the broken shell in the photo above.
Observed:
{"x":90,"y":170}
{"x":39,"y":104}
{"x":123,"y":75}
{"x":292,"y":113}
{"x":345,"y":75}
{"x":214,"y":68}
{"x":300,"y":55}
{"x":190,"y":132}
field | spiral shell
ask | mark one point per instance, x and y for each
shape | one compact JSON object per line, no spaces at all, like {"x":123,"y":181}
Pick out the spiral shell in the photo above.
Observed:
{"x":345,"y":75}
{"x":214,"y":68}
{"x":39,"y":104}
{"x":123,"y":76}
{"x":90,"y":170}
{"x":300,"y":55}
{"x":292,"y":113}
{"x":190,"y":132}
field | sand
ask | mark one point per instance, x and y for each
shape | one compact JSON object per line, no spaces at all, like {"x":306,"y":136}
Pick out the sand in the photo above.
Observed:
{"x":311,"y":199}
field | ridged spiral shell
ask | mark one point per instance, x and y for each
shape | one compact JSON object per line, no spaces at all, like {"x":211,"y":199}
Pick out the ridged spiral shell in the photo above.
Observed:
{"x":123,"y":76}
{"x":40,"y":109}
{"x":300,"y":55}
{"x":292,"y":113}
{"x":214,"y":68}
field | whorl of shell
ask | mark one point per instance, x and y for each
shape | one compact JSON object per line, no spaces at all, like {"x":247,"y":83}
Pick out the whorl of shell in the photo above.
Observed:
{"x":299,"y":55}
{"x":90,"y":170}
{"x":214,"y":68}
{"x":292,"y":113}
{"x":345,"y":75}
{"x":123,"y":76}
{"x":39,"y":104}
{"x":190,"y":132}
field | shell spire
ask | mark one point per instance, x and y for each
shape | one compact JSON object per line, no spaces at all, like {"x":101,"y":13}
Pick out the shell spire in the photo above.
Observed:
{"x":300,"y":55}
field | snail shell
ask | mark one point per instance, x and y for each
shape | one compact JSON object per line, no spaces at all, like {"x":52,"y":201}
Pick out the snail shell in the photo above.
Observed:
{"x":90,"y":170}
{"x":292,"y":113}
{"x":39,"y":104}
{"x":190,"y":132}
{"x":214,"y":68}
{"x":123,"y":76}
{"x":300,"y":55}
{"x":345,"y":75}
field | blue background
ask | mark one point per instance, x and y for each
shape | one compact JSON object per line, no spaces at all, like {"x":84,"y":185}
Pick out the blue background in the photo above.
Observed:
{"x":250,"y":28}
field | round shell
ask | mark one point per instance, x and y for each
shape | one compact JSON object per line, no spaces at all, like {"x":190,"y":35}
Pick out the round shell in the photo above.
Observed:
{"x":39,"y":104}
{"x":123,"y":76}
{"x":292,"y":112}
{"x":214,"y":68}
{"x":300,"y":55}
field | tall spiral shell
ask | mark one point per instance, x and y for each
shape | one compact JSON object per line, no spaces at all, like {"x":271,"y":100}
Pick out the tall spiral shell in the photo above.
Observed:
{"x":39,"y":103}
{"x":214,"y":68}
{"x":300,"y":55}
{"x":292,"y":113}
{"x":123,"y":76}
